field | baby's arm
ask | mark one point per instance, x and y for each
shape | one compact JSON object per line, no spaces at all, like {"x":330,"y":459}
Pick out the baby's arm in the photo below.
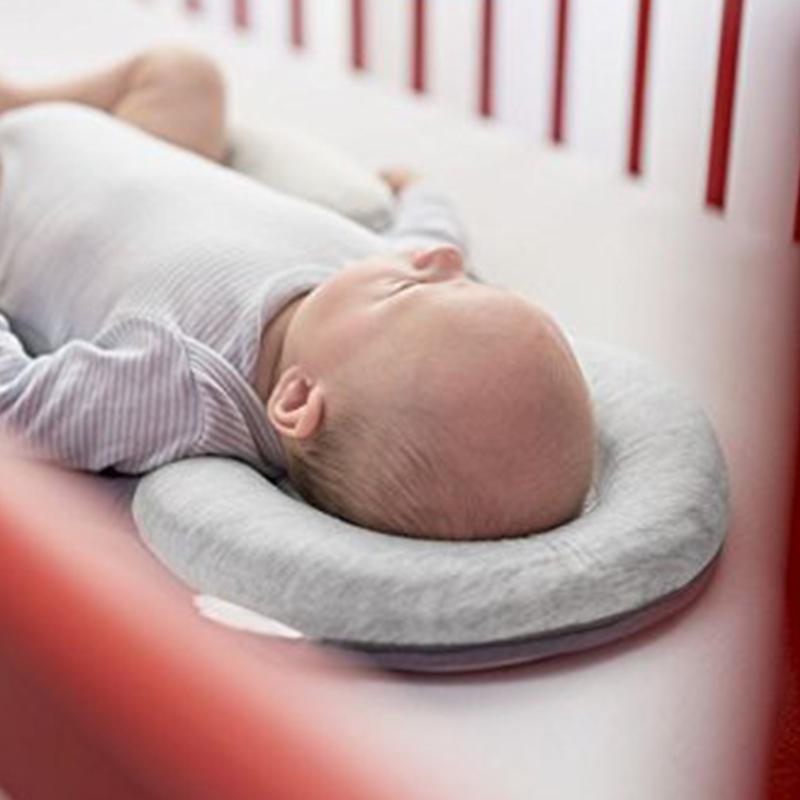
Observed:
{"x":424,"y":216}
{"x":93,"y":405}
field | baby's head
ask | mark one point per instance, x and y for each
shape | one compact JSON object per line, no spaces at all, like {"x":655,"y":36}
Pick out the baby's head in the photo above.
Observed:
{"x":411,"y":399}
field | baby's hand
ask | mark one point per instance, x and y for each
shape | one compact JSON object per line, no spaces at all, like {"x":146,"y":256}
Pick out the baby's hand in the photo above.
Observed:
{"x":398,"y":178}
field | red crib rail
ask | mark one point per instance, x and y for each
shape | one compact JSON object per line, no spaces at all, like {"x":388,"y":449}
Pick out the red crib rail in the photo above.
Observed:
{"x":296,"y":23}
{"x":112,"y":687}
{"x":719,"y":154}
{"x":785,"y":763}
{"x":241,"y":14}
{"x":418,"y":32}
{"x":358,"y":57}
{"x":486,"y":81}
{"x":559,"y":72}
{"x":639,"y":86}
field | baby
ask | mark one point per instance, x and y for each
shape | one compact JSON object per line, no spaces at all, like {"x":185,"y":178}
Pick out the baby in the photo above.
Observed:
{"x":170,"y":307}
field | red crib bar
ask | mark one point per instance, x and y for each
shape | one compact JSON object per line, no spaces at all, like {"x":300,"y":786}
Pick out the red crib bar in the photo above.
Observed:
{"x":797,"y":216}
{"x":193,"y":5}
{"x":719,"y":154}
{"x":486,"y":82}
{"x":639,"y":87}
{"x":296,"y":26}
{"x":418,"y":32}
{"x":241,"y":14}
{"x":559,"y":72}
{"x":113,"y":687}
{"x":357,"y":34}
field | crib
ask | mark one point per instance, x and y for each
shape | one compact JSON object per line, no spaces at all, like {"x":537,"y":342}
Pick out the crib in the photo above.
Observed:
{"x":634,"y":167}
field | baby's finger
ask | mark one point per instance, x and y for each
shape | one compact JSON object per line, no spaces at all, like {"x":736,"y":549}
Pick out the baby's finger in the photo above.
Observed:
{"x":397,"y":178}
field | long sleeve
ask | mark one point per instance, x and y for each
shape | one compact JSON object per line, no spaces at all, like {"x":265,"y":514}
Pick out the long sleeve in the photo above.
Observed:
{"x":424,"y":217}
{"x":126,"y":400}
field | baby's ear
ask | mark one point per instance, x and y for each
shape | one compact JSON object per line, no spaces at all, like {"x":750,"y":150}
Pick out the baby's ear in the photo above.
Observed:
{"x":296,"y":404}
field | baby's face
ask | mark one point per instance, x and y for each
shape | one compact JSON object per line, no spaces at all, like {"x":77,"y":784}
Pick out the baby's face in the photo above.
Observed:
{"x":378,"y":313}
{"x":392,"y":332}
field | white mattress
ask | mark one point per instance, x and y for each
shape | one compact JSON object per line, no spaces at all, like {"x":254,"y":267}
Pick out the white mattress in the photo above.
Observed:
{"x":681,"y":711}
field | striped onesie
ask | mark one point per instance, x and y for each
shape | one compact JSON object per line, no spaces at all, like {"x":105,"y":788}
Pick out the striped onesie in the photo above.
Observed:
{"x":136,"y":279}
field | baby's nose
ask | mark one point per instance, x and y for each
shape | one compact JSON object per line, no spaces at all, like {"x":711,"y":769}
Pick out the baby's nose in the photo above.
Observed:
{"x":444,"y":261}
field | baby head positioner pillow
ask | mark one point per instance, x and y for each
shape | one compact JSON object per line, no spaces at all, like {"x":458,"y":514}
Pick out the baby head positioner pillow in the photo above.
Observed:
{"x":643,"y":546}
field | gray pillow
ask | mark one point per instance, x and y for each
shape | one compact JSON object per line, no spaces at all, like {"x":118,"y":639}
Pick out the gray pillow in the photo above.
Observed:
{"x":643,"y":546}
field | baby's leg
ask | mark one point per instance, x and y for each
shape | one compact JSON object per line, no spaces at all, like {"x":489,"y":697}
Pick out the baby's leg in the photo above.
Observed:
{"x":176,"y":94}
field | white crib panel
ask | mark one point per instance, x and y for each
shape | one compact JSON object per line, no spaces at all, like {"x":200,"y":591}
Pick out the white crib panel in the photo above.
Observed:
{"x":388,"y":41}
{"x":269,"y":23}
{"x":453,"y":35}
{"x":524,"y":51}
{"x":327,"y":32}
{"x":765,"y":150}
{"x":600,"y":59}
{"x":217,"y":13}
{"x":684,"y":42}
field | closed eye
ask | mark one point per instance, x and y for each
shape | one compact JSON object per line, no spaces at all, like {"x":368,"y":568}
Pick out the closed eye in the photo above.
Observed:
{"x":400,"y":286}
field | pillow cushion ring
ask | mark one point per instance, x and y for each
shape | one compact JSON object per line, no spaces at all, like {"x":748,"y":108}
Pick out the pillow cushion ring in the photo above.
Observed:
{"x":643,"y":546}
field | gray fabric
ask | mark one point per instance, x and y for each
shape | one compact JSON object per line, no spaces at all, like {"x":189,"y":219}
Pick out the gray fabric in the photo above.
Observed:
{"x":656,"y":518}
